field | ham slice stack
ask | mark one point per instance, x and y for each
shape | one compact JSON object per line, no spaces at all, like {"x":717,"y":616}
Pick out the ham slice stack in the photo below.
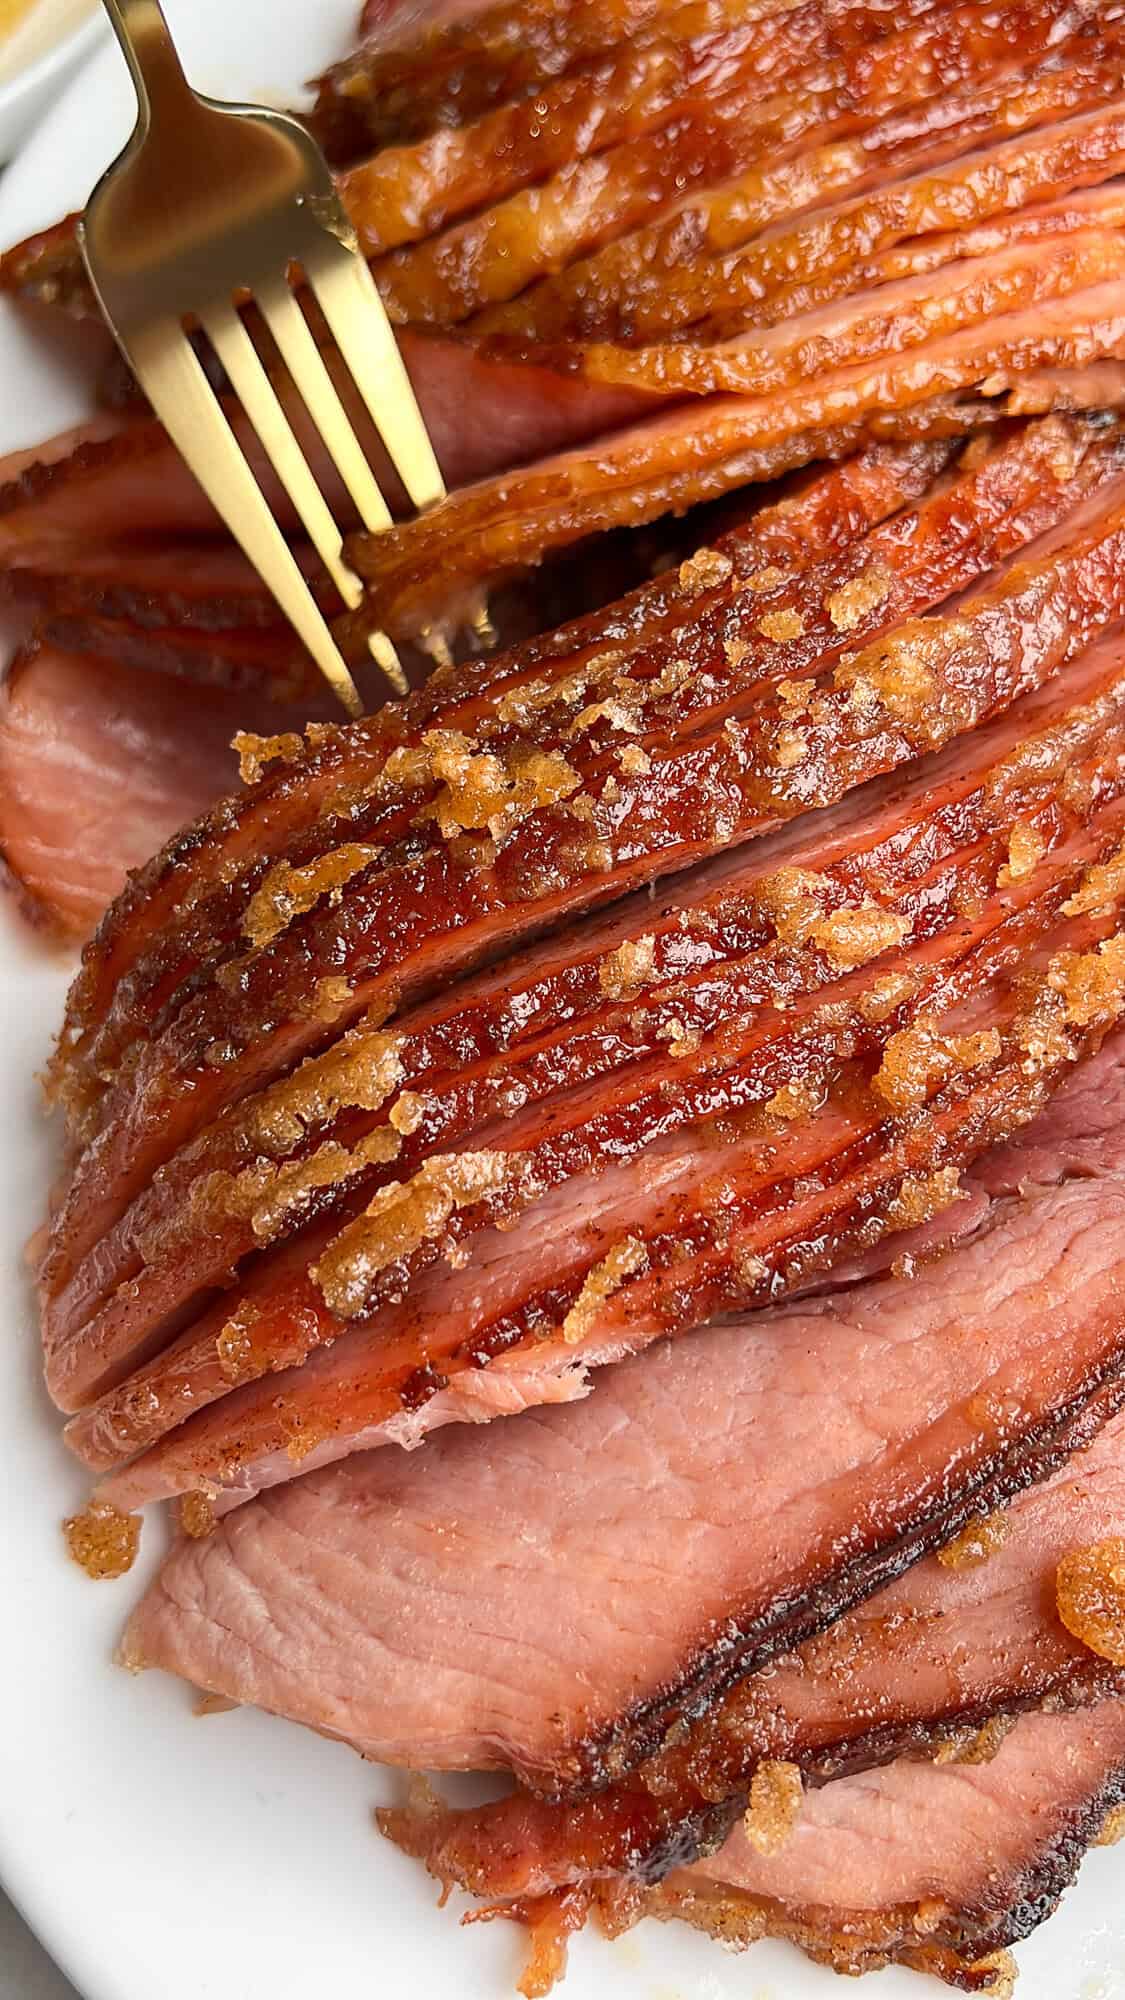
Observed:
{"x":670,"y":1066}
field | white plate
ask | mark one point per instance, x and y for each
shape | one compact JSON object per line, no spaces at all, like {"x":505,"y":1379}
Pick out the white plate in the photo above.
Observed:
{"x":158,"y":1856}
{"x":42,"y":56}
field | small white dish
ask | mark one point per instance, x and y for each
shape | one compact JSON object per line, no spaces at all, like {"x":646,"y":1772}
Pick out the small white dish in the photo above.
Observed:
{"x":38,"y":59}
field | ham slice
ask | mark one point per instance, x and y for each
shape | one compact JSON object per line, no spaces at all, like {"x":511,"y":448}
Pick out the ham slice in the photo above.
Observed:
{"x":950,"y":1648}
{"x":975,"y":1374}
{"x":937,"y":1868}
{"x":743,"y":242}
{"x":98,"y":766}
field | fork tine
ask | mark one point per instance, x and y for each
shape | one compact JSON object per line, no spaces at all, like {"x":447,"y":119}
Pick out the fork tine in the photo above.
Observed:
{"x":164,"y":360}
{"x":349,"y":299}
{"x":258,"y":398}
{"x":302,"y":357}
{"x":257,"y":395}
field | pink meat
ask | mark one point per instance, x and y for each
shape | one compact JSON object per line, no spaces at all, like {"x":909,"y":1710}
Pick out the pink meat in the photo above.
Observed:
{"x":936,"y":1867}
{"x":98,"y":766}
{"x":555,"y":1588}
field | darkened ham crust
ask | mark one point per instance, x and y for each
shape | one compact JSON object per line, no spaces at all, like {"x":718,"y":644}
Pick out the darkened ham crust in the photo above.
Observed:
{"x":937,"y":1867}
{"x":984,"y":1855}
{"x":922,"y":1666}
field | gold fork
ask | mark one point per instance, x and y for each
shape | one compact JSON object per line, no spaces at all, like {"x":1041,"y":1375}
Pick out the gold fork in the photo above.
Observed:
{"x":212,"y":205}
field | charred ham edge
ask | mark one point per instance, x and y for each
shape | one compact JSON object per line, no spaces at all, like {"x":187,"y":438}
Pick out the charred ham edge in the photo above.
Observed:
{"x":696,"y":1237}
{"x":191,"y":1229}
{"x":186,"y":586}
{"x":931,"y":680}
{"x":994,"y":1851}
{"x":725,"y":125}
{"x":254,"y":660}
{"x":97,"y":766}
{"x":1042,"y":1288}
{"x":956,"y":1646}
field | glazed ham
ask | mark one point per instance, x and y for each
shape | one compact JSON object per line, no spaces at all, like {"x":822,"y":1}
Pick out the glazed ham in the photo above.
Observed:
{"x":692,"y":1028}
{"x":697,"y":655}
{"x":497,"y":1310}
{"x":976,"y":1373}
{"x":705,"y":190}
{"x":512,"y":1105}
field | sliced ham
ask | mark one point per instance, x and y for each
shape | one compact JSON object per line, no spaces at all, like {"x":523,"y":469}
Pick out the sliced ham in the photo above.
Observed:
{"x":148,"y":938}
{"x":426,"y":1644}
{"x":422,"y":70}
{"x":702,"y":791}
{"x":950,"y":1648}
{"x":897,"y":317}
{"x":830,"y":207}
{"x":725,"y":124}
{"x":122,"y":473}
{"x":570,"y":1104}
{"x":939,"y":1868}
{"x":98,"y":765}
{"x":717,"y":443}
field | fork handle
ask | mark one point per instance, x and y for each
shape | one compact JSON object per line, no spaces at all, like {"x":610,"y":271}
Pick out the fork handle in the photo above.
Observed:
{"x":150,"y":52}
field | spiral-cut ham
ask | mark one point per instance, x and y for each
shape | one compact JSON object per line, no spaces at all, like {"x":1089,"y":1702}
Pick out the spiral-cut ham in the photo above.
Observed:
{"x":725,"y":126}
{"x":660,"y":1248}
{"x":131,"y":969}
{"x":637,"y":1029}
{"x":86,"y":518}
{"x":658,"y":188}
{"x":749,"y":1478}
{"x":399,"y":84}
{"x":541,"y":808}
{"x":723,"y":991}
{"x":725,"y":439}
{"x":545,"y":180}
